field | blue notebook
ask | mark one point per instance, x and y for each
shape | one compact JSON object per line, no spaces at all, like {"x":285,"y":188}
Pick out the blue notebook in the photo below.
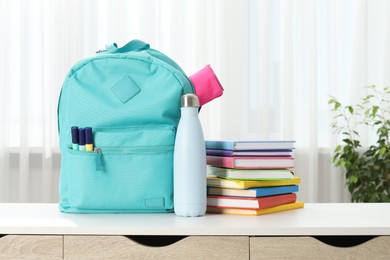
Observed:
{"x":253,"y":192}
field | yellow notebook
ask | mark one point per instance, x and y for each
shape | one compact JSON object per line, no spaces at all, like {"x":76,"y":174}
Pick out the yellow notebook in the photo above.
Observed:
{"x":254,"y":212}
{"x":245,"y":184}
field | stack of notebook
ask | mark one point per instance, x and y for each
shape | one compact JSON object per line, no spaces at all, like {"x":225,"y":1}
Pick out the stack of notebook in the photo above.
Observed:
{"x":251,"y":177}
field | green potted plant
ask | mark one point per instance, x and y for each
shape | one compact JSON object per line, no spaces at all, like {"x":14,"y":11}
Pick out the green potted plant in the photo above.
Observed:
{"x":367,"y":170}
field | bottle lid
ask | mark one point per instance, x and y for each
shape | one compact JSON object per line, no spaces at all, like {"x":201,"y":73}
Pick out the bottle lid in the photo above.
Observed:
{"x":189,"y":100}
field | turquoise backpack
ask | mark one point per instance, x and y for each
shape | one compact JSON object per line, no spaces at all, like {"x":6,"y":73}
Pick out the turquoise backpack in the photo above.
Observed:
{"x":130,"y":97}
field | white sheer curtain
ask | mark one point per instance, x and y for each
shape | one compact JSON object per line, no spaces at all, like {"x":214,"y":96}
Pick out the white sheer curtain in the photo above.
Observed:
{"x":278,"y":61}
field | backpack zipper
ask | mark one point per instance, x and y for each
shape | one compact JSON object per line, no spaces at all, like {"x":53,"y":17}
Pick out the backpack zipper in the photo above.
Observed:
{"x":126,"y":150}
{"x":98,"y":159}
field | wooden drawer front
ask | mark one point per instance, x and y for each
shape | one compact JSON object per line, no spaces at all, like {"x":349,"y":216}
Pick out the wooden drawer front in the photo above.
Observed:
{"x":119,"y":247}
{"x":31,"y":247}
{"x":311,"y":248}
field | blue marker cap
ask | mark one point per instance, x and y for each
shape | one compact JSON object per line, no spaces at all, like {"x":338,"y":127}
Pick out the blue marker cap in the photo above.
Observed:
{"x":81,"y":136}
{"x":75,"y":135}
{"x":88,"y":135}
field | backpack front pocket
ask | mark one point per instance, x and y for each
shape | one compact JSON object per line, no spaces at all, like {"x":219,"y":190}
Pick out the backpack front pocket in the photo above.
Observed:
{"x":122,"y":178}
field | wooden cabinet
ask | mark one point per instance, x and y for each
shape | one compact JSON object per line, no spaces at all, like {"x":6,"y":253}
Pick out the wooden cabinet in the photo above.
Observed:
{"x":31,"y":247}
{"x":283,"y":235}
{"x":191,"y":247}
{"x":294,"y":248}
{"x":120,"y":247}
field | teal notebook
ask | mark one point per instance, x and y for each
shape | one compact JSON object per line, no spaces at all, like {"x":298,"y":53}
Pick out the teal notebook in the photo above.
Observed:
{"x":249,"y":144}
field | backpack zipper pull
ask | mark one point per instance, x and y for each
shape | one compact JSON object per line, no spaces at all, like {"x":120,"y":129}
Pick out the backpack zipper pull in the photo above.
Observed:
{"x":98,"y":159}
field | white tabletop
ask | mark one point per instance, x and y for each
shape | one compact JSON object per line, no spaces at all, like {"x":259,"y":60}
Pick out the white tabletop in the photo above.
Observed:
{"x":313,"y":219}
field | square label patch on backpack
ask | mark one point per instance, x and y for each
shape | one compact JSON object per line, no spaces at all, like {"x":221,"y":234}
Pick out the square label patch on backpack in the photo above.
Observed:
{"x":125,"y":89}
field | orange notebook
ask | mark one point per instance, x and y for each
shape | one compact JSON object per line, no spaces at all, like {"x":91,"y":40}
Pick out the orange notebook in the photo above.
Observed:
{"x":250,"y":203}
{"x":256,"y":212}
{"x":251,"y":162}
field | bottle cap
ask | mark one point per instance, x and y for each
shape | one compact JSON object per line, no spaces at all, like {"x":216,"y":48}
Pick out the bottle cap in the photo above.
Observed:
{"x":189,"y":100}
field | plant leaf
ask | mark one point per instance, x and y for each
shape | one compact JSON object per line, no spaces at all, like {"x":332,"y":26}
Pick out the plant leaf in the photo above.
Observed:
{"x":374,"y":111}
{"x":350,"y":109}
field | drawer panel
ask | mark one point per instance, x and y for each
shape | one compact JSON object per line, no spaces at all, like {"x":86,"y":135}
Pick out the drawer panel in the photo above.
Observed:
{"x":31,"y":247}
{"x":311,"y":248}
{"x":120,"y":247}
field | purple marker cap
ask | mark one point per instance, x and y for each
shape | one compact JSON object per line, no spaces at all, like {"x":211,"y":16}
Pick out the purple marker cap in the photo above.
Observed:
{"x":81,"y":136}
{"x":88,"y":135}
{"x":75,"y":135}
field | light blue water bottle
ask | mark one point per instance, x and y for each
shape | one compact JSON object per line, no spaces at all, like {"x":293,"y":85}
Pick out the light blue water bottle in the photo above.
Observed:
{"x":189,"y":161}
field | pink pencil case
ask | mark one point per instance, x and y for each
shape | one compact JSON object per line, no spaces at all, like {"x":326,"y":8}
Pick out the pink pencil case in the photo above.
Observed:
{"x":206,"y":84}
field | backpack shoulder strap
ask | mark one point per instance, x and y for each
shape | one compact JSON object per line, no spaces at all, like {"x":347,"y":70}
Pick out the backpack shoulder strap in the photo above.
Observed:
{"x":134,"y":45}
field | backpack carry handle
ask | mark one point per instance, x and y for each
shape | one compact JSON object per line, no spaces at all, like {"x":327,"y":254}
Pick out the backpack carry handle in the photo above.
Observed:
{"x":134,"y":45}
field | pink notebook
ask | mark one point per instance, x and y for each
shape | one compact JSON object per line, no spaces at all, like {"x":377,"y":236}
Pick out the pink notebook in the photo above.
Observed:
{"x":251,"y":162}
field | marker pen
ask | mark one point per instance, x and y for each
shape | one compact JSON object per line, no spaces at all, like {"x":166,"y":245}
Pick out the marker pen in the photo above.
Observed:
{"x":88,"y":139}
{"x":81,"y":139}
{"x":75,"y":138}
